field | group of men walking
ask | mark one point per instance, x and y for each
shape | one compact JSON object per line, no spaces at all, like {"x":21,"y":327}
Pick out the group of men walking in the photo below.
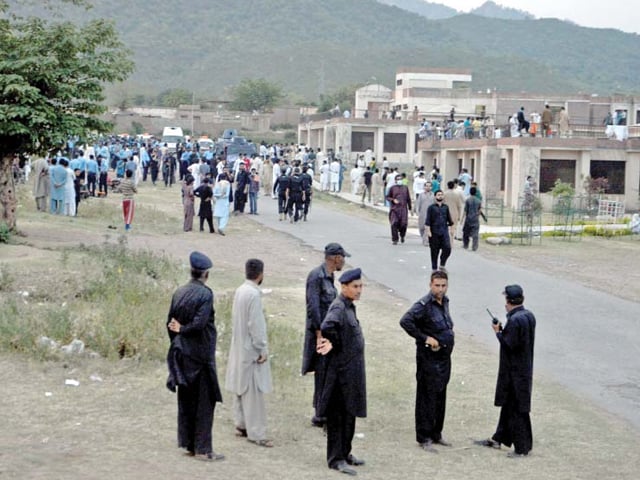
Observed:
{"x":440,"y":213}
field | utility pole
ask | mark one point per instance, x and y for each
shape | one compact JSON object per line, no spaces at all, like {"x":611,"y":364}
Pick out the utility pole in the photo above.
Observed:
{"x":193,"y":101}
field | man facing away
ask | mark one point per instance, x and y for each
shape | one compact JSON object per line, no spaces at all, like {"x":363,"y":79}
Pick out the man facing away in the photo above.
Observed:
{"x":41,"y":184}
{"x":192,"y":360}
{"x":471,"y":220}
{"x":248,"y":368}
{"x":320,"y":292}
{"x":515,"y":375}
{"x":429,"y":322}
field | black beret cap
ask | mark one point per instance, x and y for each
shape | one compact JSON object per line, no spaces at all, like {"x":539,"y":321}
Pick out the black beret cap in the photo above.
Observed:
{"x":199,"y":261}
{"x":513,"y":291}
{"x":351,"y":275}
{"x":335,"y":249}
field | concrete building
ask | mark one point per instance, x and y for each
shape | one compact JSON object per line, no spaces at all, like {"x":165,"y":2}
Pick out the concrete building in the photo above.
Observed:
{"x":387,"y":121}
{"x":501,"y":166}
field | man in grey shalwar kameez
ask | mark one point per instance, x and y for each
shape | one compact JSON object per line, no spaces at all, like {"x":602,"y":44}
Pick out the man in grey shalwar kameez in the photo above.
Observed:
{"x":248,"y":368}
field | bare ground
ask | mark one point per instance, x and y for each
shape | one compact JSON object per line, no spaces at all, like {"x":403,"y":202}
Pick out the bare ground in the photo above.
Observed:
{"x":122,"y":425}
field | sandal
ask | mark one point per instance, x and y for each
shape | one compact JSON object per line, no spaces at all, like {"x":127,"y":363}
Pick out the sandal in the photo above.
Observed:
{"x":262,"y":443}
{"x":241,"y":432}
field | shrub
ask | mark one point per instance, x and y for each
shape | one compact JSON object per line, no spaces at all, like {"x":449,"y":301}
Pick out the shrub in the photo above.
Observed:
{"x":562,"y":189}
{"x":115,"y":300}
{"x":5,"y":233}
{"x":599,"y":231}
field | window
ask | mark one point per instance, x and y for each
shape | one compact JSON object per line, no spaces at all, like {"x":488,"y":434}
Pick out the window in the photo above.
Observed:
{"x":552,"y":170}
{"x":612,"y":171}
{"x":503,"y":174}
{"x":472,"y":170}
{"x":399,"y":82}
{"x":395,"y":143}
{"x":360,"y":141}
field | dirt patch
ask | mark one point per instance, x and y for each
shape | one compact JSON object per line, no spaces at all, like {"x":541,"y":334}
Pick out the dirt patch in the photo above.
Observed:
{"x":120,"y":421}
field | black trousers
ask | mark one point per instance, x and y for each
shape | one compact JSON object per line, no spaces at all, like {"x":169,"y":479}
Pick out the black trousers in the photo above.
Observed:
{"x":91,"y":184}
{"x":209,"y":222}
{"x":341,"y":427}
{"x":430,"y":409}
{"x":398,"y":230}
{"x":195,"y":415}
{"x":102,"y":183}
{"x":318,"y":380}
{"x":240,"y":201}
{"x":470,"y":231}
{"x":295,"y":200}
{"x":282,"y":203}
{"x":307,"y":203}
{"x":438,"y":244}
{"x":514,"y":427}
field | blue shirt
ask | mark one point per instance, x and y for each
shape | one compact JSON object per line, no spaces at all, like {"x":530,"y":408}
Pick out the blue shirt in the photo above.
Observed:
{"x":92,"y":166}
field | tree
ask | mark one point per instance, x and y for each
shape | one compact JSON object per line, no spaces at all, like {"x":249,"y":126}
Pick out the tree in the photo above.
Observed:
{"x":175,"y":97}
{"x":52,"y":76}
{"x":256,"y":95}
{"x":344,"y":97}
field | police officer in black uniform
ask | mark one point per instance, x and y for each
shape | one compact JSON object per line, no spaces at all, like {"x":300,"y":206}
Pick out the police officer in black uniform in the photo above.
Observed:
{"x":307,"y":186}
{"x":296,"y":196}
{"x":320,"y":292}
{"x":282,"y":187}
{"x":429,"y":322}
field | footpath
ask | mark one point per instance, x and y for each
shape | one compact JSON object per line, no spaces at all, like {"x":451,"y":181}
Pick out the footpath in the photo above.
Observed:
{"x":586,"y":340}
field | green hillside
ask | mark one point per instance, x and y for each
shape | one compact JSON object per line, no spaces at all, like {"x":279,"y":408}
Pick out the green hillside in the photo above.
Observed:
{"x":208,"y":46}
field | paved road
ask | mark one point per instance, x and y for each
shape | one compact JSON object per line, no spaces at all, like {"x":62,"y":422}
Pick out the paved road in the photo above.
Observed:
{"x":586,"y":340}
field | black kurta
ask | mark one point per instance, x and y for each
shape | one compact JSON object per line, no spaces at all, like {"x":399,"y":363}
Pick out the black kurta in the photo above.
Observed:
{"x":192,"y":365}
{"x":344,"y":395}
{"x":320,"y":292}
{"x":516,"y":358}
{"x":205,"y":193}
{"x":345,"y":362}
{"x":515,"y":376}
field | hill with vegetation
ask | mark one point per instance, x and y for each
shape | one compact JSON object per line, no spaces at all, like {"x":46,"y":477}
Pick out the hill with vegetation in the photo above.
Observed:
{"x":493,"y":10}
{"x":312,"y":48}
{"x":433,"y":11}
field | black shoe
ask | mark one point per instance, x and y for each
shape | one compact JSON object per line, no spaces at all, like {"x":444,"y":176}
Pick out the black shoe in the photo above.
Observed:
{"x":318,"y":421}
{"x":443,"y":442}
{"x":356,"y":462}
{"x":428,"y":446}
{"x":516,"y":455}
{"x":401,"y":239}
{"x":489,"y":442}
{"x":342,"y":467}
{"x":209,"y":457}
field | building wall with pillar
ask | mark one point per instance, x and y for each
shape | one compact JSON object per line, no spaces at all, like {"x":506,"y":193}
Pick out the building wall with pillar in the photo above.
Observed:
{"x":500,"y":167}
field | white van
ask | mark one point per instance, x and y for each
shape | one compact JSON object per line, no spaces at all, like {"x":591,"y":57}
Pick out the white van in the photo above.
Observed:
{"x":172,"y":136}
